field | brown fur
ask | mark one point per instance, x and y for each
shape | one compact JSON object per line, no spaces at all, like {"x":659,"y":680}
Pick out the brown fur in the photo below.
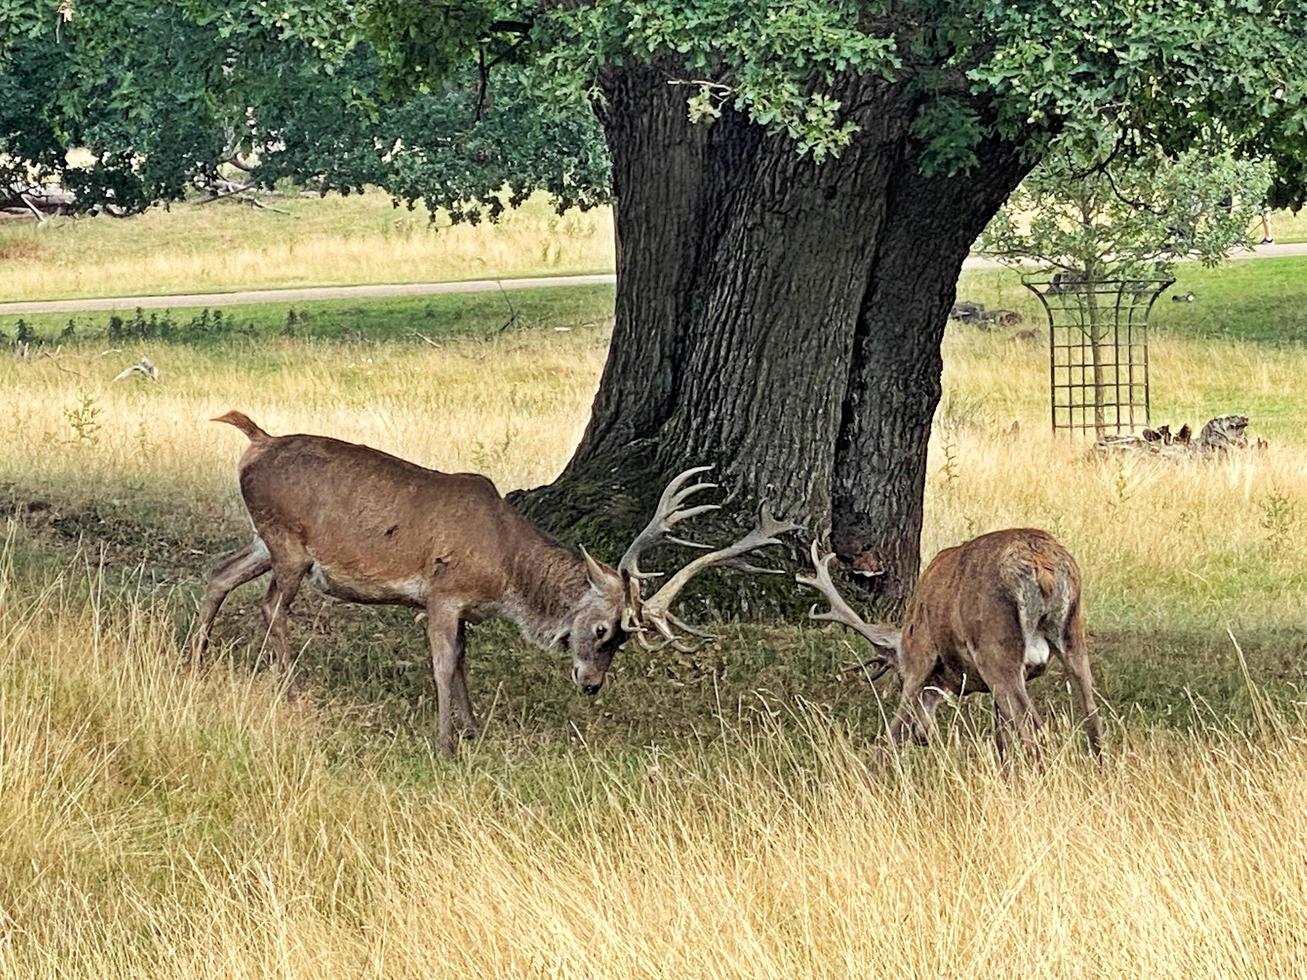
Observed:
{"x":975,"y":613}
{"x":369,"y":527}
{"x":982,"y":617}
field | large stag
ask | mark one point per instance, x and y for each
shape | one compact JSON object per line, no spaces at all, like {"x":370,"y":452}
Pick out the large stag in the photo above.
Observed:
{"x":368,"y":527}
{"x":983,"y":617}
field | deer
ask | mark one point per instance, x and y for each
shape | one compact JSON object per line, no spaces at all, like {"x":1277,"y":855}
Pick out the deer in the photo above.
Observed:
{"x":983,"y":617}
{"x":367,"y":527}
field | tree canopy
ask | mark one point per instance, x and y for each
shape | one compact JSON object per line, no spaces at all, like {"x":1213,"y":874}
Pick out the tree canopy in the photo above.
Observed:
{"x":163,"y":95}
{"x":449,"y":103}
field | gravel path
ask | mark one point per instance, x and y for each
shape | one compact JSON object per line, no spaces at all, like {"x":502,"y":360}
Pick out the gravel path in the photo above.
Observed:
{"x":384,"y":290}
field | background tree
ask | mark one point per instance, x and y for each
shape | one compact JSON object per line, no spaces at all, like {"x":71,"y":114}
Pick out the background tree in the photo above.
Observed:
{"x":1096,"y":216}
{"x":796,"y":184}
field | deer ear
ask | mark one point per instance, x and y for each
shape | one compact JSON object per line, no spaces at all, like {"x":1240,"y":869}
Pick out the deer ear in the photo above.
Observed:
{"x":601,"y":577}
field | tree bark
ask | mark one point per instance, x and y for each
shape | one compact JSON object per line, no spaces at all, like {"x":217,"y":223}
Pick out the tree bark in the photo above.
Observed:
{"x":775,"y":317}
{"x":894,"y":373}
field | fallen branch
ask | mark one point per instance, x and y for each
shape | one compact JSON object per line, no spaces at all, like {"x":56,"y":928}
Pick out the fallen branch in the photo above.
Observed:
{"x":54,"y":359}
{"x":145,"y":368}
{"x":1218,"y":436}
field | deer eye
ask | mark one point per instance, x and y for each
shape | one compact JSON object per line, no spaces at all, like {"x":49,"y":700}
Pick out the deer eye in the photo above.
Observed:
{"x":601,"y":631}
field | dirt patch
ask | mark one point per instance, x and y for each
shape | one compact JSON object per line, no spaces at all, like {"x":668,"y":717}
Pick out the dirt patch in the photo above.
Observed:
{"x":22,"y":250}
{"x":119,"y":541}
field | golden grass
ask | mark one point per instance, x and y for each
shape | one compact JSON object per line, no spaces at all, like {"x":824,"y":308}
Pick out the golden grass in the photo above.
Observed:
{"x":1211,"y":542}
{"x":226,"y":246}
{"x":155,"y":822}
{"x":159,"y":822}
{"x":511,"y":408}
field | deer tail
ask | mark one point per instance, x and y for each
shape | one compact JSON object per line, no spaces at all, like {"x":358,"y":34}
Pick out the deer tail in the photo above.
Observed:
{"x":243,"y":422}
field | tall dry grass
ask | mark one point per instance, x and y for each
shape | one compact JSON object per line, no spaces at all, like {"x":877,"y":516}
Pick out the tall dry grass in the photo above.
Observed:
{"x":1212,"y":544}
{"x":221,"y":247}
{"x":160,"y":823}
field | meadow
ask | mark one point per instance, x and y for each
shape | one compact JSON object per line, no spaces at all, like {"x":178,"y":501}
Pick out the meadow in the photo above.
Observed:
{"x":707,"y":815}
{"x":227,"y":245}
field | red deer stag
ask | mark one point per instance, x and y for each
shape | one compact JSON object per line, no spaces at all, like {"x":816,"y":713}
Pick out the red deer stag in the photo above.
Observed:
{"x":983,"y":617}
{"x":368,"y":527}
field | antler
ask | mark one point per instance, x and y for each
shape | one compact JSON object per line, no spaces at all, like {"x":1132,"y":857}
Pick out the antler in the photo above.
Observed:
{"x":841,"y":612}
{"x":668,"y":514}
{"x":656,"y":611}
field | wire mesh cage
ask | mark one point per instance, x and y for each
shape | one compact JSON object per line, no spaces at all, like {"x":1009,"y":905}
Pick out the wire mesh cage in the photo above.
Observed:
{"x":1098,"y":351}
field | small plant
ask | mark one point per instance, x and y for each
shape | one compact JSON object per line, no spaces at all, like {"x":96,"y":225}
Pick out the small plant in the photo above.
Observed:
{"x":84,"y":419}
{"x":69,"y":332}
{"x":1122,"y":490}
{"x":950,"y":468}
{"x":24,"y":334}
{"x":292,"y":319}
{"x":144,"y":447}
{"x":1278,"y":518}
{"x":488,"y":455}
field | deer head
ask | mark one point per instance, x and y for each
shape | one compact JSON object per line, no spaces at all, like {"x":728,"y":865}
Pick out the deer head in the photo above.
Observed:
{"x":616,"y":608}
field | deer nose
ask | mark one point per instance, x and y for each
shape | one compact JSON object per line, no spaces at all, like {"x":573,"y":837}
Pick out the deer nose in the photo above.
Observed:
{"x":585,"y":684}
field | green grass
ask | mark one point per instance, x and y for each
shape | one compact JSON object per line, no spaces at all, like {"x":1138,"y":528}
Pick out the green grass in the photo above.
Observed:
{"x":447,"y":317}
{"x":1260,"y":300}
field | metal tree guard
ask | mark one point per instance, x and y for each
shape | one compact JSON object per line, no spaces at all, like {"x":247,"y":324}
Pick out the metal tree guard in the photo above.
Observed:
{"x":1098,"y":351}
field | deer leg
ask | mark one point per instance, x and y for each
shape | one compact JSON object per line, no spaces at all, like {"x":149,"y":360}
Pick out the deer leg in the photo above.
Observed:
{"x":1013,"y":712}
{"x":443,"y":630}
{"x":915,"y":716}
{"x":234,"y":570}
{"x":924,"y":729}
{"x":462,"y":702}
{"x":277,"y":600}
{"x":1076,"y":661}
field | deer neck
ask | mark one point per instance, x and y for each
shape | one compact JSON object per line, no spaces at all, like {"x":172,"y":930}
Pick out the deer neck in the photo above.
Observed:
{"x":546,"y":583}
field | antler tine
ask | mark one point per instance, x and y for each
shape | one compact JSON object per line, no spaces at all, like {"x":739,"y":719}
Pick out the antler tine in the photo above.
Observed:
{"x":668,"y":513}
{"x":685,"y":627}
{"x":656,"y":610}
{"x":873,"y":667}
{"x":840,"y":611}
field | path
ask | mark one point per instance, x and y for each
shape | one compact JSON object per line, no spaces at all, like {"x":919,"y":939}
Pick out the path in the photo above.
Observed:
{"x":392,"y":290}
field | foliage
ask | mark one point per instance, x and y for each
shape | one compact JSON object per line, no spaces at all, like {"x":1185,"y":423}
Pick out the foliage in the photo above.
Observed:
{"x":448,"y":103}
{"x":1131,"y":216}
{"x":167,"y":97}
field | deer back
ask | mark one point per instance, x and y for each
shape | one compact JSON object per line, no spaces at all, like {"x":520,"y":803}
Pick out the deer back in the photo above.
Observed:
{"x":1013,"y":592}
{"x":369,"y":515}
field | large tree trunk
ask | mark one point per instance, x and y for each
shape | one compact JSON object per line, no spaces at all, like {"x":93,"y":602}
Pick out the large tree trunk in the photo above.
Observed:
{"x":894,"y":374}
{"x":776,"y":317}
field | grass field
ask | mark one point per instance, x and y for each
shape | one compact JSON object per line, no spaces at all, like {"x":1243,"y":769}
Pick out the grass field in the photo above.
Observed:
{"x":363,"y":238}
{"x":707,"y":815}
{"x":329,"y":241}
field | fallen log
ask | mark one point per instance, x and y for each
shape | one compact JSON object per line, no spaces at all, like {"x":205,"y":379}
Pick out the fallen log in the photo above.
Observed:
{"x":1219,"y":436}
